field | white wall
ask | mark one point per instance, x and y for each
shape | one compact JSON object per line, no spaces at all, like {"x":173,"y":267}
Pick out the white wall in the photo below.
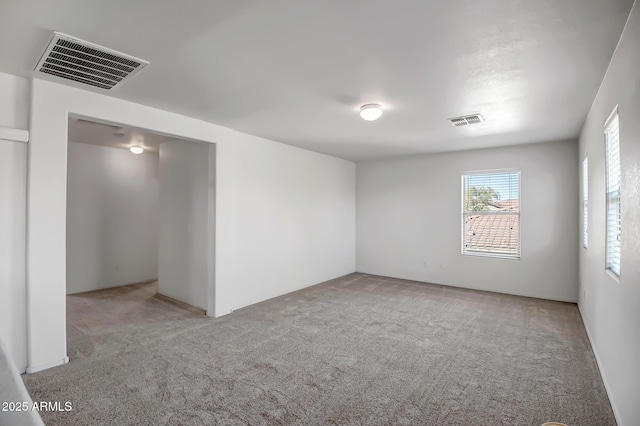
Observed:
{"x":409,"y":213}
{"x":284,"y":216}
{"x":14,"y":102}
{"x":293,"y":220}
{"x":183,"y":233}
{"x":14,"y":113}
{"x":610,"y":307}
{"x":13,"y":184}
{"x":112,"y":217}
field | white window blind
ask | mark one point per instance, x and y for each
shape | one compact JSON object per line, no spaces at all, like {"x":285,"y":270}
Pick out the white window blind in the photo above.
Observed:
{"x":491,"y":214}
{"x":613,"y":175}
{"x":585,"y":202}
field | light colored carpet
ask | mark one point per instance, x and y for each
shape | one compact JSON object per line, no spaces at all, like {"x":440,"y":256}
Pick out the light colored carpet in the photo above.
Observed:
{"x":95,"y":318}
{"x":357,"y":350}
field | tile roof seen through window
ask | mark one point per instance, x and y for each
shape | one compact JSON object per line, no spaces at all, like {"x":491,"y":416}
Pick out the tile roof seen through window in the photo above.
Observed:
{"x":494,"y":231}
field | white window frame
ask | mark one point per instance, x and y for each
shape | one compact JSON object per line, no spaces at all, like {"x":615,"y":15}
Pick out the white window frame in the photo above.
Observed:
{"x":465,"y":251}
{"x":585,"y":201}
{"x":613,"y":181}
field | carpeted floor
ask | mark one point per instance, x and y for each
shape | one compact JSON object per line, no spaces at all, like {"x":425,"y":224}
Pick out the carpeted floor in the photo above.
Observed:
{"x":357,"y":350}
{"x":94,"y":318}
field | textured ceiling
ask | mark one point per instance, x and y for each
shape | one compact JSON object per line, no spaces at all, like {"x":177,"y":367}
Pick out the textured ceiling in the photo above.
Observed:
{"x":297,"y":72}
{"x":94,"y":133}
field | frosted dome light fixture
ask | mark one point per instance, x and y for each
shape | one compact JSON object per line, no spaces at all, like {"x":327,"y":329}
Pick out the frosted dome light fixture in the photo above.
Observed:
{"x":136,"y":149}
{"x":370,"y":112}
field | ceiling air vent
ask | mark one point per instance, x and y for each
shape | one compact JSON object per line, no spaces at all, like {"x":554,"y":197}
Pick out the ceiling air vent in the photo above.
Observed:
{"x":466,"y":120}
{"x":87,"y":63}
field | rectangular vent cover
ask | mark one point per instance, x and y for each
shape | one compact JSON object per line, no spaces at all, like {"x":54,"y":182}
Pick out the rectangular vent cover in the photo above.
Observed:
{"x":466,"y":120}
{"x":87,"y":63}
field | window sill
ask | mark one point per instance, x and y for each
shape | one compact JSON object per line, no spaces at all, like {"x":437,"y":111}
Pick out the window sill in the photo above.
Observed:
{"x":613,"y":275}
{"x":491,"y":255}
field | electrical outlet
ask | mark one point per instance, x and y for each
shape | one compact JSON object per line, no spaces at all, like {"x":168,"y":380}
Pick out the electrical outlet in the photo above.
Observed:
{"x":425,"y":264}
{"x":584,"y":294}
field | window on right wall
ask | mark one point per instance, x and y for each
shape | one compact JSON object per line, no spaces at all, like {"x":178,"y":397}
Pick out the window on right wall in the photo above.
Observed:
{"x":613,"y":178}
{"x":585,"y":202}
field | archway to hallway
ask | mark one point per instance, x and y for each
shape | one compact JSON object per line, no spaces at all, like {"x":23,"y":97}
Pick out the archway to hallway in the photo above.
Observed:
{"x":139,"y":231}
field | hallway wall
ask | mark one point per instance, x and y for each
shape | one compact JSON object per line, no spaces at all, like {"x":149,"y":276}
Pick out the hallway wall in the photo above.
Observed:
{"x":112,"y":217}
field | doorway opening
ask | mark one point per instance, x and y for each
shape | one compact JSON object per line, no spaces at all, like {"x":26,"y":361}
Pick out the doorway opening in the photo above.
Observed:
{"x":140,"y":227}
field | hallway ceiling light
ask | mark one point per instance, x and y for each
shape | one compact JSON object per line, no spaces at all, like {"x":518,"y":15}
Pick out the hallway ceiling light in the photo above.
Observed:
{"x":136,"y":149}
{"x":370,"y":112}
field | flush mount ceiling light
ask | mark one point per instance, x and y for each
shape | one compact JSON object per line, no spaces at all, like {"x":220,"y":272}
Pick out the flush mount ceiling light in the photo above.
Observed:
{"x":370,"y":112}
{"x":136,"y":149}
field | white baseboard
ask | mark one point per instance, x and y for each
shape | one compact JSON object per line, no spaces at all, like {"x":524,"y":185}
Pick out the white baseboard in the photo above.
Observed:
{"x":485,"y":289}
{"x":31,"y":370}
{"x":616,"y":414}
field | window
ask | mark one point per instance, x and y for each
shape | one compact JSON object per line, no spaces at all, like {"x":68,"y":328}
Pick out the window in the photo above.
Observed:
{"x":612,"y":151}
{"x":491,"y":214}
{"x":585,"y":202}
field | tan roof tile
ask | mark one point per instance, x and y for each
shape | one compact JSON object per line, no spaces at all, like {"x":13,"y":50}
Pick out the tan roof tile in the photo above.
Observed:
{"x":495,"y":233}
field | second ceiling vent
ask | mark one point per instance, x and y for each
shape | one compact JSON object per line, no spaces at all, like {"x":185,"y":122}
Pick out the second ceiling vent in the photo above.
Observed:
{"x":87,"y":63}
{"x":466,"y":120}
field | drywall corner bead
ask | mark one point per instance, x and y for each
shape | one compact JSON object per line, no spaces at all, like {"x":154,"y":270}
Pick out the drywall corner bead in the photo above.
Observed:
{"x":15,"y":135}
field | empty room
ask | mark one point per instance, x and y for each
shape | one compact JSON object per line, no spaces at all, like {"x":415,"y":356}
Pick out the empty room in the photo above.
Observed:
{"x":264,"y":212}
